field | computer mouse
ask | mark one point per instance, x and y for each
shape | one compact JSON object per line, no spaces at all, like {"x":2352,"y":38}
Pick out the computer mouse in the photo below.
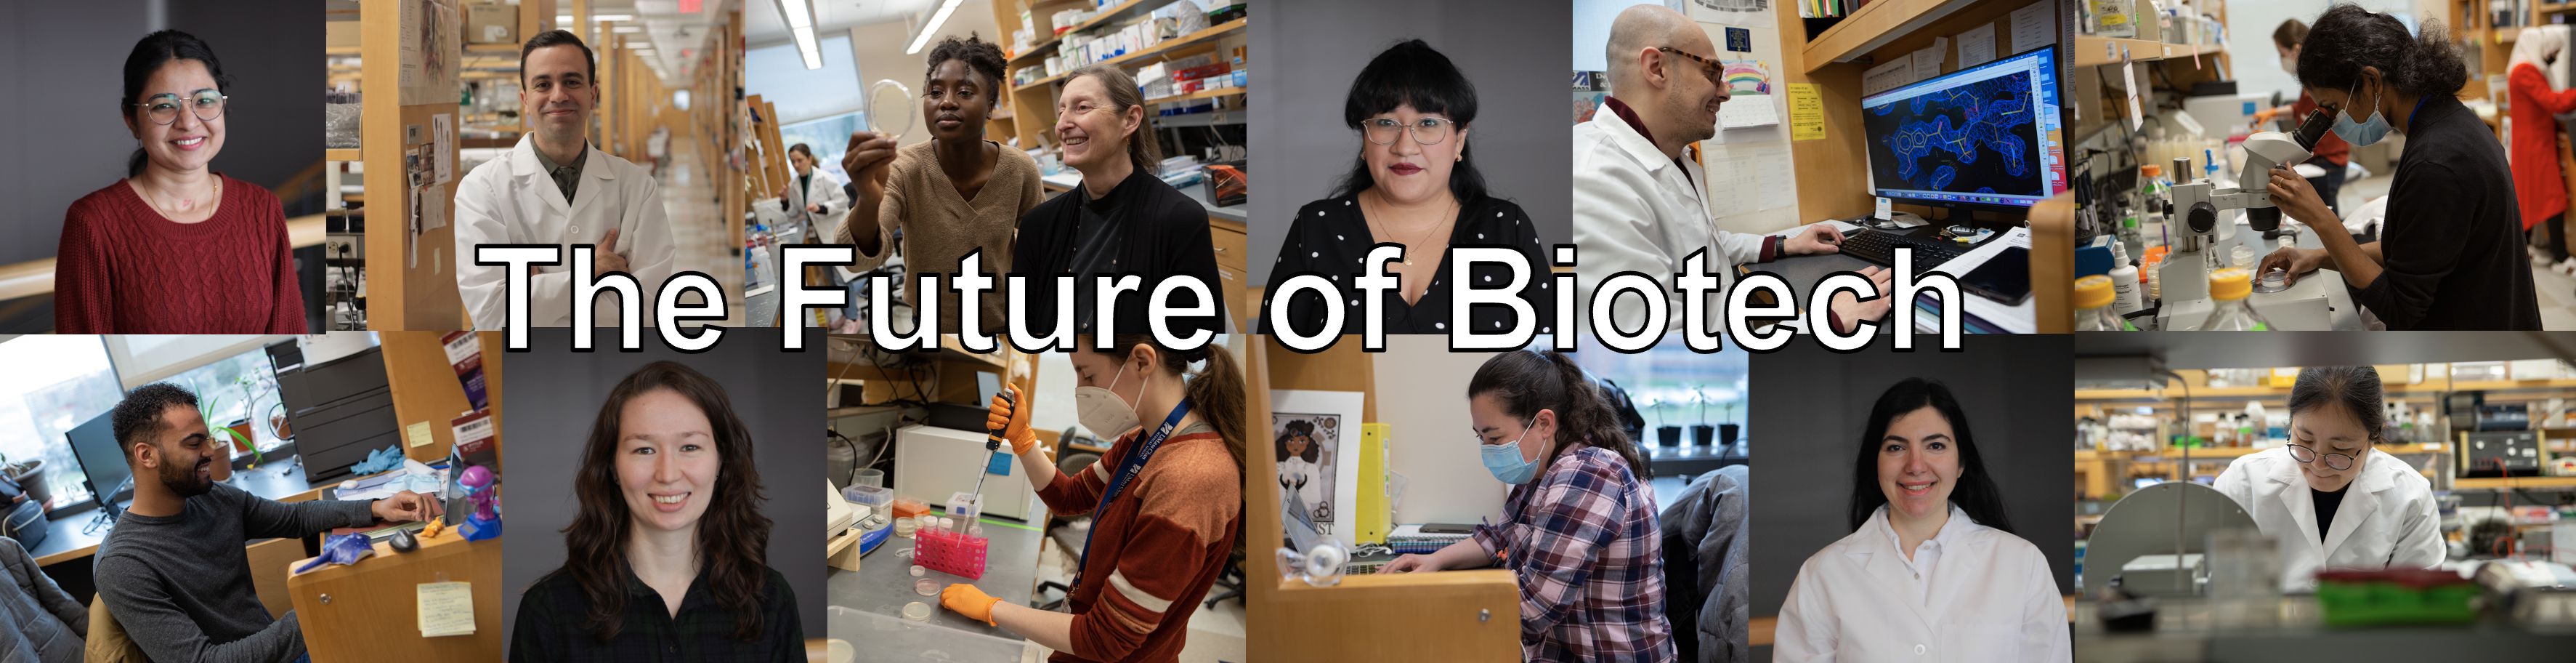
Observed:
{"x":403,"y":541}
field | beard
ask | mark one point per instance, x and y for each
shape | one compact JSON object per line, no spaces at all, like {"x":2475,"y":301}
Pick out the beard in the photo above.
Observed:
{"x":1700,"y":124}
{"x":186,"y":482}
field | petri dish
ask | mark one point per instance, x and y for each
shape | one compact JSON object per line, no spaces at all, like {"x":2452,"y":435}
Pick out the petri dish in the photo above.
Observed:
{"x":917,"y":571}
{"x":926,"y":586}
{"x":916,"y":611}
{"x":891,"y":108}
{"x":838,"y":650}
{"x":2274,"y":280}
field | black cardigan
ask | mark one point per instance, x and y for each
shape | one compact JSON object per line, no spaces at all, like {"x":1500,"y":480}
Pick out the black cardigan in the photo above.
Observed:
{"x":2452,"y":244}
{"x":1166,"y":235}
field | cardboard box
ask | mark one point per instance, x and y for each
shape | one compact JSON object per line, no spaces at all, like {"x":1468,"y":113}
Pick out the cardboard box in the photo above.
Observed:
{"x":491,"y":24}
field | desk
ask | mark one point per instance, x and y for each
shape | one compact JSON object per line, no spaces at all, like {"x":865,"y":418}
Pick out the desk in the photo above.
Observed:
{"x":281,"y":481}
{"x":369,"y":611}
{"x":1802,"y":272}
{"x":871,"y":602}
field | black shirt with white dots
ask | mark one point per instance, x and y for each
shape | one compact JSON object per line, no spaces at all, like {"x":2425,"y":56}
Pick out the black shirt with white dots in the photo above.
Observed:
{"x":1331,"y":238}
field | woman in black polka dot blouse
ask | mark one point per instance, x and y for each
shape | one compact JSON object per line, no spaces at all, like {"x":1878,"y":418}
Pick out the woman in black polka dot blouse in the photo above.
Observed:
{"x":1412,"y":186}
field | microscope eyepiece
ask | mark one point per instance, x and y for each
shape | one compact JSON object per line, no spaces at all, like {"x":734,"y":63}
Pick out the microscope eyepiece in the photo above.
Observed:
{"x":2313,"y":129}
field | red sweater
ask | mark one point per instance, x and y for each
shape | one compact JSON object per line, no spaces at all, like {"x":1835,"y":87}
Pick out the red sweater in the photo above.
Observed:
{"x":125,"y":269}
{"x":1157,"y":550}
{"x":2538,"y":188}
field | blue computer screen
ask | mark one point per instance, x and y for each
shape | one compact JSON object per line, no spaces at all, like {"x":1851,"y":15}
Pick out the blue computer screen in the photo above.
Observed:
{"x":1985,"y":135}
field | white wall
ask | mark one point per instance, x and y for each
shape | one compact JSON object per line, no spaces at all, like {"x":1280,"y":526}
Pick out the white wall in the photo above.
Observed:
{"x":2249,"y":33}
{"x":1422,"y":397}
{"x":879,"y":47}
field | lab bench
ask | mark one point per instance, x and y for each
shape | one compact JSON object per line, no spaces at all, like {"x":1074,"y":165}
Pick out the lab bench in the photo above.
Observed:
{"x":867,"y":605}
{"x":2187,"y":631}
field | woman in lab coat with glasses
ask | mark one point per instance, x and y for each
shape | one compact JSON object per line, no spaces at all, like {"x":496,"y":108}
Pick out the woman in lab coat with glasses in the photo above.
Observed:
{"x":2328,"y":496}
{"x":1932,"y":570}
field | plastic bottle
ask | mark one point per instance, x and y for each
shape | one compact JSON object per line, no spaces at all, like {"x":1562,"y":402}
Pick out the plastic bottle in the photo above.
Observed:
{"x":2093,"y":300}
{"x":2228,"y":289}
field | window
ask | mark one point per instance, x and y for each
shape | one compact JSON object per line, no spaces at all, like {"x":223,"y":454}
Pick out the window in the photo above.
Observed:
{"x":1674,"y":387}
{"x":828,"y":137}
{"x":56,"y":383}
{"x":237,"y":390}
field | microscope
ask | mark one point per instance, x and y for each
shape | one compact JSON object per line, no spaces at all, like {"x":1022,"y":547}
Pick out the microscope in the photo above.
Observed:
{"x":2198,"y":205}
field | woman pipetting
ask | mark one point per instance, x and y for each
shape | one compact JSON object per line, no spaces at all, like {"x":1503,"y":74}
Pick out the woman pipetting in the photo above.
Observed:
{"x":1580,"y":522}
{"x":1932,"y":569}
{"x":2330,"y":497}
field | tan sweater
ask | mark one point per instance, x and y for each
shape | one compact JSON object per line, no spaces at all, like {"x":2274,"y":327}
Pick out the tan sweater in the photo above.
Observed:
{"x":941,"y":227}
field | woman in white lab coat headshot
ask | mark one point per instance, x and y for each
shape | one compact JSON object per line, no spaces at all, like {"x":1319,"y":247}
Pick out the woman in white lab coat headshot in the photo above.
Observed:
{"x":2328,"y":495}
{"x":1932,"y":569}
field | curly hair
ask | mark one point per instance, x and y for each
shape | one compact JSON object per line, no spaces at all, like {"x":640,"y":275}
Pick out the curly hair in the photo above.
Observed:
{"x":733,"y":537}
{"x":982,"y":56}
{"x":139,"y":416}
{"x":2348,"y":38}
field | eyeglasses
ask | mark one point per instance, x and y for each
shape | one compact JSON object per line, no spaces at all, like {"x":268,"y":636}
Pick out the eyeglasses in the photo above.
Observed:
{"x":1426,"y":131}
{"x":163,"y":108}
{"x":1715,"y":72}
{"x":2337,"y":462}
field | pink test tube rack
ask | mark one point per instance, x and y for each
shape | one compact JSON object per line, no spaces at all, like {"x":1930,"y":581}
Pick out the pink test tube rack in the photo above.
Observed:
{"x":949,"y":552}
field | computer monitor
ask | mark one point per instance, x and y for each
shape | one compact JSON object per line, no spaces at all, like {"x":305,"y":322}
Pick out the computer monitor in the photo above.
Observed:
{"x":101,"y":459}
{"x":1984,"y":136}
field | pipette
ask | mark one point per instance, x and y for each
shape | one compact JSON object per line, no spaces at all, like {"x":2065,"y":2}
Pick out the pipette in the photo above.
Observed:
{"x":992,"y":445}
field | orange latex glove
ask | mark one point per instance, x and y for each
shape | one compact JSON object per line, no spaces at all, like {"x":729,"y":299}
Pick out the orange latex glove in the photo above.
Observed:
{"x":969,"y":601}
{"x":1011,"y":420}
{"x":2264,"y":117}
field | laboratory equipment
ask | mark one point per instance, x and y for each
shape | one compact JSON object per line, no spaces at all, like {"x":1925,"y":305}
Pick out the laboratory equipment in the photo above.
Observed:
{"x":2274,"y":280}
{"x":2500,"y":454}
{"x":882,"y":110}
{"x":1986,"y":136}
{"x":2199,"y":204}
{"x":2093,"y":300}
{"x":904,"y":527}
{"x":837,"y":512}
{"x":2174,"y":518}
{"x":926,"y":586}
{"x":2396,"y":596}
{"x":939,"y":549}
{"x":926,"y":459}
{"x":2228,"y":290}
{"x":918,"y":570}
{"x":916,"y":611}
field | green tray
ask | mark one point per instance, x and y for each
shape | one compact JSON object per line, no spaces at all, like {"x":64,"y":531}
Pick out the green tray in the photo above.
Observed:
{"x":2346,"y":604}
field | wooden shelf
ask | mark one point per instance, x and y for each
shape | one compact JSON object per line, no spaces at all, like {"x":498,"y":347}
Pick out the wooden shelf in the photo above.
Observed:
{"x":1873,"y":26}
{"x":1167,"y":45}
{"x":341,"y":154}
{"x":1106,"y":15}
{"x":2516,"y":482}
{"x":1194,"y":96}
{"x":2097,"y":51}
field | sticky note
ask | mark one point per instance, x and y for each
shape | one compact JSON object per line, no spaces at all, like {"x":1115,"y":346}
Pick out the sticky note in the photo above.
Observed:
{"x":1806,"y":112}
{"x":446,"y":608}
{"x":419,"y":434}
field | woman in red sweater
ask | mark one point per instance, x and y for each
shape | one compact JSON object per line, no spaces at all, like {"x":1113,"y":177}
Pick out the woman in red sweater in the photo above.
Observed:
{"x":175,"y":248}
{"x":2539,"y":188}
{"x":1166,"y":502}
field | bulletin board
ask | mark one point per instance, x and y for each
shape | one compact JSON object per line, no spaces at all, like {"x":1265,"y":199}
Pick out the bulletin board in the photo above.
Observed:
{"x":1752,"y":182}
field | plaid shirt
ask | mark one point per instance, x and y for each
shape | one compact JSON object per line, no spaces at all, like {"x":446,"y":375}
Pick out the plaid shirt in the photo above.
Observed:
{"x":1584,"y":543}
{"x":553,"y":614}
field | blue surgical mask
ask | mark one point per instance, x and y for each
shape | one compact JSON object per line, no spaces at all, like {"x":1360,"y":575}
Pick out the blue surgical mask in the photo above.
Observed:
{"x":2364,"y":132}
{"x":1504,"y":460}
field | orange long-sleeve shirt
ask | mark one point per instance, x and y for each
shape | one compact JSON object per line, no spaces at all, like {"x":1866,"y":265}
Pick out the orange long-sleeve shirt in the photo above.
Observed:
{"x":1158,"y":548}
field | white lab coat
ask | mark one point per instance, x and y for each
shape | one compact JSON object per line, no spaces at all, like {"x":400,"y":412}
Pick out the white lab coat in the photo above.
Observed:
{"x":1637,"y":211}
{"x":1991,"y":599}
{"x":825,"y":190}
{"x":510,"y":200}
{"x":2387,"y":518}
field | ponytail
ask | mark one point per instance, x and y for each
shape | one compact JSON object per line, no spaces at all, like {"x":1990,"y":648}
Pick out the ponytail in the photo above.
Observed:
{"x":2348,"y":38}
{"x":1525,"y":382}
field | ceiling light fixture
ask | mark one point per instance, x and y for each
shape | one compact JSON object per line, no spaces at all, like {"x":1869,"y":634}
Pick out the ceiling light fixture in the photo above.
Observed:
{"x":927,"y":29}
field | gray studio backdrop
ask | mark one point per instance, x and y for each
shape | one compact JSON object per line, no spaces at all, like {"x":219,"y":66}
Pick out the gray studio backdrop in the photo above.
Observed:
{"x":554,"y":393}
{"x":1811,"y":403}
{"x":1513,"y":50}
{"x":62,"y":65}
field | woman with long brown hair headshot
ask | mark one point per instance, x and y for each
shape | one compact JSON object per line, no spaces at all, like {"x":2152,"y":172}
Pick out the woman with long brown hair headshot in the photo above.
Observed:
{"x":664,"y":560}
{"x":1162,"y":528}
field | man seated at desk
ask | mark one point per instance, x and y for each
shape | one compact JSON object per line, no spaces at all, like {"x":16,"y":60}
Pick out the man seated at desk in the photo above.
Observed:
{"x":1639,"y":205}
{"x":174,"y":572}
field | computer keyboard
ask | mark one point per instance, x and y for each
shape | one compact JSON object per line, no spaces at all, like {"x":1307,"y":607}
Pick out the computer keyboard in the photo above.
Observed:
{"x":1879,"y":247}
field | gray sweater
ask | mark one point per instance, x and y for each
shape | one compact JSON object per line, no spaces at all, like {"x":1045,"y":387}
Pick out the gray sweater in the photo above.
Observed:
{"x":38,"y":622}
{"x":180,"y":585}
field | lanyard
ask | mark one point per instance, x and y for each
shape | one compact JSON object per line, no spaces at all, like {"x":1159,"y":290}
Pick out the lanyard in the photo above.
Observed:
{"x":1127,"y":470}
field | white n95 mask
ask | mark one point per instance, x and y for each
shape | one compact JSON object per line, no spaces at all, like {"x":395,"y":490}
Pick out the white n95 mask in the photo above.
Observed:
{"x":1103,"y":411}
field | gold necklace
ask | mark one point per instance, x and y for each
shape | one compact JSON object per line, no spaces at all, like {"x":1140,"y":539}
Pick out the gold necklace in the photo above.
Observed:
{"x":185,"y":204}
{"x":1377,"y":226}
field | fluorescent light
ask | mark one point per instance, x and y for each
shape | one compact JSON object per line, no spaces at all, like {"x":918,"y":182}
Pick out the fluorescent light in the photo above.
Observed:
{"x":797,"y":13}
{"x":628,"y":29}
{"x":599,"y":18}
{"x":563,"y":20}
{"x":932,"y":28}
{"x":805,"y":46}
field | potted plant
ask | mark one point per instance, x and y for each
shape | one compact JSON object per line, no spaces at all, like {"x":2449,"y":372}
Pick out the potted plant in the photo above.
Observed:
{"x":1728,"y":431}
{"x":1701,"y":432}
{"x":30,"y":476}
{"x":238,"y":432}
{"x":1667,"y":434}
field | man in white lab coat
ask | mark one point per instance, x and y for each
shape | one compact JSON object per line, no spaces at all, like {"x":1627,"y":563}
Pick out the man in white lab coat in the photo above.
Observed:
{"x":1639,"y":203}
{"x":2328,"y":495}
{"x":554,"y":188}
